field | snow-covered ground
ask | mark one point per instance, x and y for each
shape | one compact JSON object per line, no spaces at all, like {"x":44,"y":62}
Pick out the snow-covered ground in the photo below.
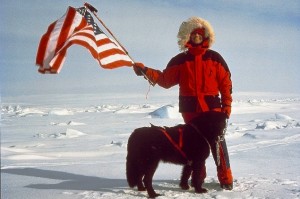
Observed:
{"x":74,"y":146}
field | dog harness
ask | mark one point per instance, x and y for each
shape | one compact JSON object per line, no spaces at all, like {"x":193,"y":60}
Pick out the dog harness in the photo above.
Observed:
{"x":179,"y":145}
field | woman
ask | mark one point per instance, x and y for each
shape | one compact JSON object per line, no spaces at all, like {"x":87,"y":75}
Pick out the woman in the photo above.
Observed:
{"x":204,"y":83}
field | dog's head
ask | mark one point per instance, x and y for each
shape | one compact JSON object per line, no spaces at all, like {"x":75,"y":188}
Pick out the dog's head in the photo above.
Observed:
{"x":211,"y":123}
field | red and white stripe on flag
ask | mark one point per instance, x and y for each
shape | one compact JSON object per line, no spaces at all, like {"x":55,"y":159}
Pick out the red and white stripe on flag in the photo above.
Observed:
{"x":73,"y":28}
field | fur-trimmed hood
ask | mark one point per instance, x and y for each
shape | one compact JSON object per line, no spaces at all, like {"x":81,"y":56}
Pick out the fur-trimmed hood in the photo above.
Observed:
{"x":191,"y":24}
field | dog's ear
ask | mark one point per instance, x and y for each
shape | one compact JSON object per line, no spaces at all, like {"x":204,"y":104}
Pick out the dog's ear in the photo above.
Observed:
{"x":154,"y":126}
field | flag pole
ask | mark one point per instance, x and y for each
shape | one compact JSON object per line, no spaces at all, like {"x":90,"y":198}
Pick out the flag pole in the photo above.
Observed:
{"x":94,"y":11}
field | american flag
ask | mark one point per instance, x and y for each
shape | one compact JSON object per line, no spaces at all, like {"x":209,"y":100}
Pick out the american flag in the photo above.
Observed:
{"x":77,"y":26}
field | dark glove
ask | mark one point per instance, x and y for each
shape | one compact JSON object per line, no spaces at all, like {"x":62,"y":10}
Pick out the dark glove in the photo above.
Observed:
{"x":227,"y":110}
{"x":139,"y":68}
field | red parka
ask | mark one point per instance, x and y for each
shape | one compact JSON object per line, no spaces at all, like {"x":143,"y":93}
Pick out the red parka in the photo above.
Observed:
{"x":202,"y":75}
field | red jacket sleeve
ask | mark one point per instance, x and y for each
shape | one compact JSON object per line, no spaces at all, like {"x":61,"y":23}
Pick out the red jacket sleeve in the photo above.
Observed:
{"x":166,"y":79}
{"x":225,"y":85}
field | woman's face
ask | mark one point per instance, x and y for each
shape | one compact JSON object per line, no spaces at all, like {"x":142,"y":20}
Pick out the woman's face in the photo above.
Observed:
{"x":196,"y":38}
{"x":197,"y":35}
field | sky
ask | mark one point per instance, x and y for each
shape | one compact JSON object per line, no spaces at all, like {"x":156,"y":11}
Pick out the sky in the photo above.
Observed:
{"x":259,"y":40}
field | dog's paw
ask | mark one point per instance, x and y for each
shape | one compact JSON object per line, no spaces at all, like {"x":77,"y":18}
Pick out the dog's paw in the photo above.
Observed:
{"x":154,"y":195}
{"x":201,"y":190}
{"x":184,"y":186}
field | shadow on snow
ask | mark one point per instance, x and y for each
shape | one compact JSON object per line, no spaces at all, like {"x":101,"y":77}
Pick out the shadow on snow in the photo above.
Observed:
{"x":88,"y":183}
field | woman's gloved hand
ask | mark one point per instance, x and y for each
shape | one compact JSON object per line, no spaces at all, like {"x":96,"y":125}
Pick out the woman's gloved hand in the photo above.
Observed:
{"x":227,"y":110}
{"x":139,"y":68}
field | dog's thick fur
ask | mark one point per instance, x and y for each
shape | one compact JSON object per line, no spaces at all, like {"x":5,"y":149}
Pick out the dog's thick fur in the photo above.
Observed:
{"x":147,"y":146}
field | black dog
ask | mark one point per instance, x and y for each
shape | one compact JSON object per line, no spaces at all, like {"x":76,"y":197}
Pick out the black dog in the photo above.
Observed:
{"x":183,"y":144}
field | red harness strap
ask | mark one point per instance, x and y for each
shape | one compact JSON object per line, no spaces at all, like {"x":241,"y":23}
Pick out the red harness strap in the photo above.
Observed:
{"x":179,"y":145}
{"x":180,"y":138}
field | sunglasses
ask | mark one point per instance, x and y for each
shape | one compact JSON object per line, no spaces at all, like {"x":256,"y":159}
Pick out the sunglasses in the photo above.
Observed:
{"x":200,"y":31}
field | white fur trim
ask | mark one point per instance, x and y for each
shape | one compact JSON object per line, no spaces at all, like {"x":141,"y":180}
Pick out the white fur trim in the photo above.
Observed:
{"x":191,"y":24}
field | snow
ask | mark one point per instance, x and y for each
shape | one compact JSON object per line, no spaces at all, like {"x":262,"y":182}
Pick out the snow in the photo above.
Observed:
{"x":167,"y":111}
{"x":74,"y":146}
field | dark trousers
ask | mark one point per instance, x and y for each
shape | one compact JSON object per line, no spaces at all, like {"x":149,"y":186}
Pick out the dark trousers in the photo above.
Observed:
{"x":220,"y":155}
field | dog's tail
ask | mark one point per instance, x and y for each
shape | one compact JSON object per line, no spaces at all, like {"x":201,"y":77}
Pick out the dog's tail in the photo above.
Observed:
{"x":132,"y":167}
{"x":131,"y":172}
